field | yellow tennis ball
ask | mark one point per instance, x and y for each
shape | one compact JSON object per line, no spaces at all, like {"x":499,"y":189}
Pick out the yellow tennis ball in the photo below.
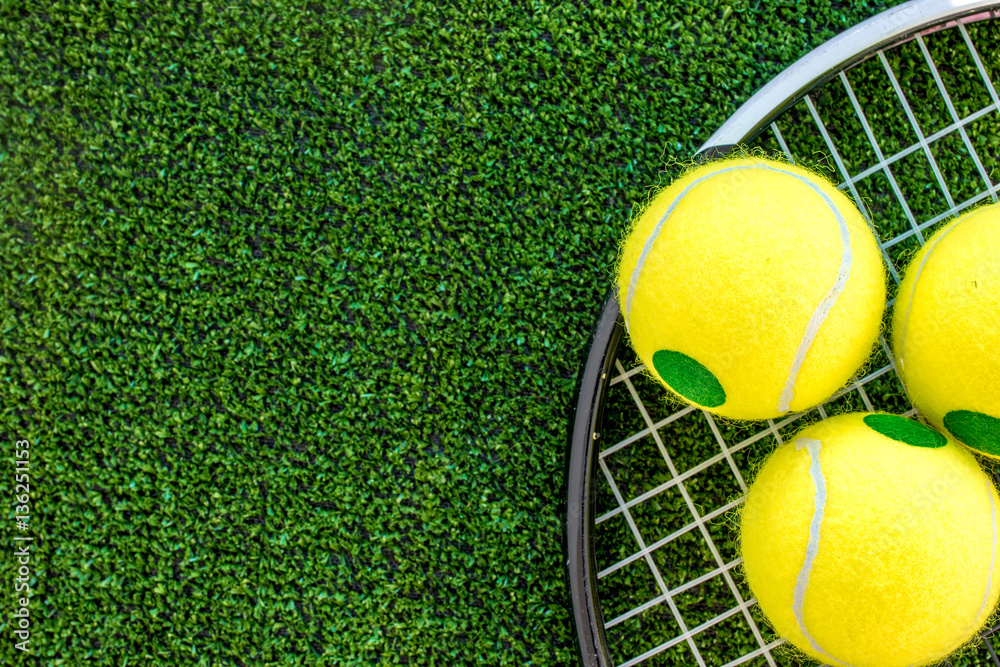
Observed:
{"x":751,"y":288}
{"x":946,"y":329}
{"x":871,"y":540}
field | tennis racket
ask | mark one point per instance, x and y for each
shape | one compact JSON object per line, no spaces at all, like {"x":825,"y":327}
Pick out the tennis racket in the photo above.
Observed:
{"x":903,"y":112}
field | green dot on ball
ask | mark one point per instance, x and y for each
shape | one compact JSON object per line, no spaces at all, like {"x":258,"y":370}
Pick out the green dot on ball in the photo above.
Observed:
{"x":975,"y":429}
{"x":689,"y":378}
{"x":906,"y":430}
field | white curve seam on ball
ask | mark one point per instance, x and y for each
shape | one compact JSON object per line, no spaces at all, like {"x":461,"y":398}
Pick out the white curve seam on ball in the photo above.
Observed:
{"x":913,"y":291}
{"x":822,"y":309}
{"x":825,"y":305}
{"x":812,"y":548}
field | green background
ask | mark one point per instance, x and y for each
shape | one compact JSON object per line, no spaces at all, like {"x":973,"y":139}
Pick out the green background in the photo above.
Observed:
{"x":295,"y":295}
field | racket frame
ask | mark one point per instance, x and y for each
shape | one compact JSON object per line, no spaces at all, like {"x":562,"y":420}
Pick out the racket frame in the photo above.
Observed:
{"x":849,"y":48}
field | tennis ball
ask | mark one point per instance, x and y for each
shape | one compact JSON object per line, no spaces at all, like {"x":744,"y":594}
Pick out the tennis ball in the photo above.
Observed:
{"x":871,"y":539}
{"x":946,"y":329}
{"x":751,"y":288}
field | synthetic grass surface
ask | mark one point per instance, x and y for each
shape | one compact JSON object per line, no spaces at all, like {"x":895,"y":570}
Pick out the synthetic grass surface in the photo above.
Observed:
{"x":294,"y":299}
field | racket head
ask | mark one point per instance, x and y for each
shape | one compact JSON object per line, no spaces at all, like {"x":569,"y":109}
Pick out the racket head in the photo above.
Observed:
{"x":785,"y":101}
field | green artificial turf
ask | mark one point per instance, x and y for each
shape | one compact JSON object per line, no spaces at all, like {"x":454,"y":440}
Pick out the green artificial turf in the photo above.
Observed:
{"x":295,"y":295}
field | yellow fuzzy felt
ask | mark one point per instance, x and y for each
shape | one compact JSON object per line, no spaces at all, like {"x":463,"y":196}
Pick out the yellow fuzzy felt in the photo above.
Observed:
{"x":946,"y":325}
{"x":735,"y":274}
{"x":905,"y":571}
